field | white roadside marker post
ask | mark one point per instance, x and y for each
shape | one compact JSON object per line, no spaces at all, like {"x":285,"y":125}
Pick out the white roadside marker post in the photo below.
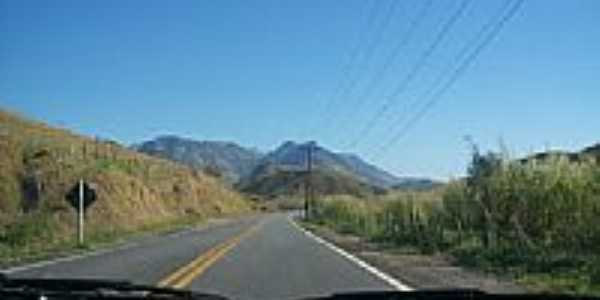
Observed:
{"x":80,"y":213}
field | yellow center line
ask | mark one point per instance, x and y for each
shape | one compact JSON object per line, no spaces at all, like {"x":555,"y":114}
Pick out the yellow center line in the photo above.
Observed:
{"x":167,"y":281}
{"x":183,"y":276}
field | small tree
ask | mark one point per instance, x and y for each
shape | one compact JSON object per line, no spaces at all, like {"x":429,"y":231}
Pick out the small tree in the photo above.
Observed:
{"x":479,"y":180}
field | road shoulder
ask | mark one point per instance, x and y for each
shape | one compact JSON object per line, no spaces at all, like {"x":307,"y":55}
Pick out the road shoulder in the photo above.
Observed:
{"x":391,"y":281}
{"x":416,"y":270}
{"x":118,"y":244}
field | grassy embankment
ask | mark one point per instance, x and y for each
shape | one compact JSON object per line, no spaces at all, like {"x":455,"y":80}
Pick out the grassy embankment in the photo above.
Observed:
{"x":537,"y":221}
{"x":136,"y":192}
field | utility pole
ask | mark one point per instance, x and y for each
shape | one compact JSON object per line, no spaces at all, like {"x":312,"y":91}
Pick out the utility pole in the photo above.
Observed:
{"x":308,"y":181}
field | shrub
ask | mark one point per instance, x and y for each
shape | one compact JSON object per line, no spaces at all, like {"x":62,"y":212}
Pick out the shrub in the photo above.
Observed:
{"x":540,"y":216}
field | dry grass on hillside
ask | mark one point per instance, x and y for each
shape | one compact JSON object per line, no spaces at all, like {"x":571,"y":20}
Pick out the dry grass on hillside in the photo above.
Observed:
{"x":134,"y":190}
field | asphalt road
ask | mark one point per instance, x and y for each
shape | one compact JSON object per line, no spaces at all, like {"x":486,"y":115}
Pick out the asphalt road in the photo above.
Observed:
{"x":263,"y":257}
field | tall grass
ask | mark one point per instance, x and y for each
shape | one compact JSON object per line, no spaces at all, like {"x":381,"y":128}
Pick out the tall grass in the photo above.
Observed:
{"x":530,"y":218}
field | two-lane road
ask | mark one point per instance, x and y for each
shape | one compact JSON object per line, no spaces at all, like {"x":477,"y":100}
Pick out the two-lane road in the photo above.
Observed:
{"x":264,"y":257}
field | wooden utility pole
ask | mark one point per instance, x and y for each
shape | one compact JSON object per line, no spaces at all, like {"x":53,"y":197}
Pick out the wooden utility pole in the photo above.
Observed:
{"x":308,"y":181}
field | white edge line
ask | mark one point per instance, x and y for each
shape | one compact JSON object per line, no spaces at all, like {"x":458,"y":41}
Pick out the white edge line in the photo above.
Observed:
{"x":46,"y":263}
{"x":68,"y":258}
{"x":125,"y":246}
{"x":362,"y":264}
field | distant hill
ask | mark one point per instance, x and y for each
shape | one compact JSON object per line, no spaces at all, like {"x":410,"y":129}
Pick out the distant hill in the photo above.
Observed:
{"x":370,"y":173}
{"x":283,"y":172}
{"x":237,"y":163}
{"x":293,"y":155}
{"x":591,"y":151}
{"x":417,"y":184}
{"x":279,"y":170}
{"x":272,"y":181}
{"x":232,"y":160}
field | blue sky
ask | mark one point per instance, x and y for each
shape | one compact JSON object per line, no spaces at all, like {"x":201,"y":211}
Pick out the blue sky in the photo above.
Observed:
{"x":262,"y":72}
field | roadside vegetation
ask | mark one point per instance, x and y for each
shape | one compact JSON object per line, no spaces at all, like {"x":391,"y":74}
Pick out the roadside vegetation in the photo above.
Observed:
{"x":536,"y":220}
{"x":136,"y":192}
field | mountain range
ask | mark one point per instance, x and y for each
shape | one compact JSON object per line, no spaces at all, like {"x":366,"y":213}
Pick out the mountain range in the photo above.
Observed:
{"x":253,"y":170}
{"x":232,"y":160}
{"x":293,"y":155}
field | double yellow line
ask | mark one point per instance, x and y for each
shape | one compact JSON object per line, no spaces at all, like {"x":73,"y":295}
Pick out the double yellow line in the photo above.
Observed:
{"x":183,"y":276}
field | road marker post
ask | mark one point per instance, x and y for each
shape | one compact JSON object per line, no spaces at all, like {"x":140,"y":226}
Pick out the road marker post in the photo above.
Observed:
{"x":81,"y":196}
{"x":80,"y":213}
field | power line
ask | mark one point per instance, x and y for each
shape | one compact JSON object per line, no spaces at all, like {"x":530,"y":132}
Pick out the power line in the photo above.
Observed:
{"x":444,"y":74}
{"x":365,"y":62}
{"x":493,"y":31}
{"x":403,"y":84}
{"x":367,"y":57}
{"x":390,"y":59}
{"x":348,"y":66}
{"x":412,"y":74}
{"x":487,"y":35}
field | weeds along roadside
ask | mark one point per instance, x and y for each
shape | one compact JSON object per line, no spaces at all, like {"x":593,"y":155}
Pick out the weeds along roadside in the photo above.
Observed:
{"x":537,"y":220}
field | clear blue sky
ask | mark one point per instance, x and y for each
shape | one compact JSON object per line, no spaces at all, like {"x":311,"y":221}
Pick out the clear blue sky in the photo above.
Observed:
{"x":261,"y":72}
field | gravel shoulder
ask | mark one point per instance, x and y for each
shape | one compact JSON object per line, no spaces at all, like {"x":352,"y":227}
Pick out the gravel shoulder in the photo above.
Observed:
{"x":416,"y":270}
